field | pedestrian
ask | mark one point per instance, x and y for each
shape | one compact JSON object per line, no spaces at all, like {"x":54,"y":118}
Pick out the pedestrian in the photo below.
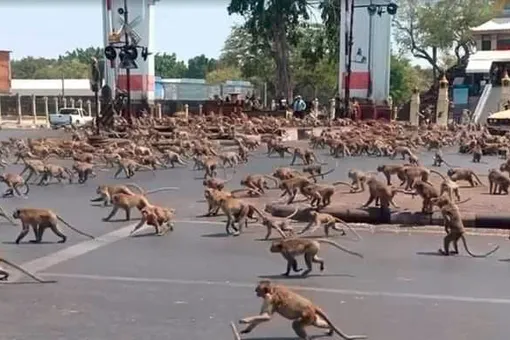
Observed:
{"x":299,"y":107}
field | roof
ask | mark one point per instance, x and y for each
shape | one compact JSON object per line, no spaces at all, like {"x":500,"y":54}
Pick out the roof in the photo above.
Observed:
{"x":496,"y":24}
{"x":481,"y":61}
{"x":51,"y":87}
{"x":500,"y":115}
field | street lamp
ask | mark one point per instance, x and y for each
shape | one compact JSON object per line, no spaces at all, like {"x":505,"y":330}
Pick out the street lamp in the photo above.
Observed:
{"x":128,"y":53}
{"x":372,"y":9}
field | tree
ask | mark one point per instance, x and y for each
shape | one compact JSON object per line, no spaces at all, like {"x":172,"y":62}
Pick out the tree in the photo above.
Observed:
{"x":167,"y":66}
{"x":330,"y":15}
{"x":404,"y":78}
{"x":222,"y":74}
{"x":426,"y":28}
{"x":272,"y":23}
{"x":199,"y":66}
{"x":83,"y":55}
{"x":253,"y":60}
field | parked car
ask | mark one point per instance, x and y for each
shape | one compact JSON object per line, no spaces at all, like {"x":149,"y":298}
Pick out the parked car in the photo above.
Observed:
{"x":70,"y":116}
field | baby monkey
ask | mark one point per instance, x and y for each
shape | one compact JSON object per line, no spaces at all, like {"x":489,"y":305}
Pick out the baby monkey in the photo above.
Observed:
{"x":292,"y":306}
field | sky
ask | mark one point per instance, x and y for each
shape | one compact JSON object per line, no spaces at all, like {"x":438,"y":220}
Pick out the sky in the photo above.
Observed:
{"x":49,"y":28}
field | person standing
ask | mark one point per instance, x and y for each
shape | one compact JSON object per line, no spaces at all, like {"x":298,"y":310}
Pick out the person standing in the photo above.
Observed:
{"x":299,"y":107}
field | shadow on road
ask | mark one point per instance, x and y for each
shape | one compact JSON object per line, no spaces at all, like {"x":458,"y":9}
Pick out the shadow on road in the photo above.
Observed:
{"x":293,"y":277}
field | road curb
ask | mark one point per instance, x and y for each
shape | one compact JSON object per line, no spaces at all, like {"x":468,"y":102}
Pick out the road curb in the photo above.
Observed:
{"x":402,"y":218}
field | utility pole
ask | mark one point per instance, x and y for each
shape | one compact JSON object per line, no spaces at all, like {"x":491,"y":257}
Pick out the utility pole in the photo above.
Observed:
{"x":128,"y":71}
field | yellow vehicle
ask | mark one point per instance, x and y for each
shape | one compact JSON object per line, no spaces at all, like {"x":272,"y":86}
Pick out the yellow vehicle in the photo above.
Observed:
{"x":499,"y":122}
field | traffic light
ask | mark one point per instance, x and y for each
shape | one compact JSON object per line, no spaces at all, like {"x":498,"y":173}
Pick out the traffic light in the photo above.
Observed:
{"x":128,"y":55}
{"x":110,"y":53}
{"x":392,"y":8}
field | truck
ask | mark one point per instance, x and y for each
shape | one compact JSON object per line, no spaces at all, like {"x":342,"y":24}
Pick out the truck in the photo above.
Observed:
{"x":70,"y":116}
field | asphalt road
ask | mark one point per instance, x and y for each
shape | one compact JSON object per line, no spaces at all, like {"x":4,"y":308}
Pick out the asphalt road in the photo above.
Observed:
{"x":191,"y":283}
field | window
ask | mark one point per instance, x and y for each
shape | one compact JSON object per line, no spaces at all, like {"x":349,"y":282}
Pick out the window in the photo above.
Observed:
{"x":503,"y":42}
{"x":486,"y":43}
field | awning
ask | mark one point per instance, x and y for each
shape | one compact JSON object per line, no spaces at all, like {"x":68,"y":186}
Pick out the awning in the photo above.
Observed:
{"x":479,"y":66}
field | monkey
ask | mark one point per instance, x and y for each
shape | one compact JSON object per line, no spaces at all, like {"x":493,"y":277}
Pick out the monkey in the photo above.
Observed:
{"x":156,"y":217}
{"x":328,"y":221}
{"x":236,"y":211}
{"x":231,"y":158}
{"x":257,"y":183}
{"x":454,"y":227}
{"x":280,"y":150}
{"x":504,"y":152}
{"x":4,"y":275}
{"x":213,"y":198}
{"x":321,"y":194}
{"x":210,"y":164}
{"x":307,"y":156}
{"x":413,"y":159}
{"x":450,"y":187}
{"x":403,"y":150}
{"x":439,"y":159}
{"x":292,"y":185}
{"x":292,"y":306}
{"x":55,"y":171}
{"x":464,"y":174}
{"x":105,"y":192}
{"x":129,"y":167}
{"x":84,"y":170}
{"x":152,"y":161}
{"x":39,"y":220}
{"x":14,"y":182}
{"x":413,"y":173}
{"x":314,"y":169}
{"x":381,"y":193}
{"x":292,"y":247}
{"x":392,"y":169}
{"x":172,"y":158}
{"x":34,"y":167}
{"x":477,"y":153}
{"x":427,"y":191}
{"x":286,"y":173}
{"x":359,"y":178}
{"x":215,"y":183}
{"x":498,"y":181}
{"x":127,"y":202}
{"x":280,"y":225}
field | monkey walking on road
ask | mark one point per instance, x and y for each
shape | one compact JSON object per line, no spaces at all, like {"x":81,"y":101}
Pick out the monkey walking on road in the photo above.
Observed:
{"x":292,"y":306}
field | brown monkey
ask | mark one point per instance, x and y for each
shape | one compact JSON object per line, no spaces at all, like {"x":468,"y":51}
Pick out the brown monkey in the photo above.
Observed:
{"x":237,"y":212}
{"x":292,"y":185}
{"x":292,"y":247}
{"x":39,"y":220}
{"x":281,"y":150}
{"x":105,"y":192}
{"x":450,"y":187}
{"x":210,"y":165}
{"x":4,"y":275}
{"x":314,"y":170}
{"x":156,"y":217}
{"x":280,"y":225}
{"x":498,"y":181}
{"x":321,"y":194}
{"x":14,"y":182}
{"x":286,"y":173}
{"x":403,"y":150}
{"x":257,"y":183}
{"x":55,"y":171}
{"x":454,"y":227}
{"x":216,"y":183}
{"x":439,"y":159}
{"x":414,"y":173}
{"x":307,"y":156}
{"x":392,"y":169}
{"x":477,"y":153}
{"x":381,"y":193}
{"x":129,"y":167}
{"x":34,"y":167}
{"x":172,"y":158}
{"x":426,"y":191}
{"x":328,"y":221}
{"x":359,"y":178}
{"x":292,"y":306}
{"x":413,"y":159}
{"x":84,"y":170}
{"x":213,"y":198}
{"x":464,"y":174}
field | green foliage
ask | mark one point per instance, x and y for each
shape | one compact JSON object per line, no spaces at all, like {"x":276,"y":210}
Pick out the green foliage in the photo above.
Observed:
{"x":426,"y":29}
{"x":404,"y":78}
{"x":222,"y":74}
{"x":199,"y":66}
{"x":167,"y":66}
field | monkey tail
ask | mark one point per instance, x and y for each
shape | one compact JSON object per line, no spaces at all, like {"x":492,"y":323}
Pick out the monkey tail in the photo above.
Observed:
{"x":438,"y":173}
{"x":478,"y":179}
{"x":25,"y":272}
{"x":336,"y":329}
{"x":342,"y":183}
{"x":137,"y":187}
{"x":74,"y":229}
{"x":235,"y":331}
{"x":336,"y":245}
{"x":323,"y":174}
{"x":293,"y":214}
{"x":475,"y":255}
{"x":27,"y":189}
{"x":161,"y":189}
{"x":274,"y":179}
{"x":350,"y":228}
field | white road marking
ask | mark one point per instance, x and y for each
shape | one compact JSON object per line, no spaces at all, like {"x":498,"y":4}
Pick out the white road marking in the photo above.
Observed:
{"x":251,"y":285}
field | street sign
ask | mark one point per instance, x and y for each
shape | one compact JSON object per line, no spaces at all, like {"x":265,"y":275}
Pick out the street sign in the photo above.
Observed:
{"x":129,"y":29}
